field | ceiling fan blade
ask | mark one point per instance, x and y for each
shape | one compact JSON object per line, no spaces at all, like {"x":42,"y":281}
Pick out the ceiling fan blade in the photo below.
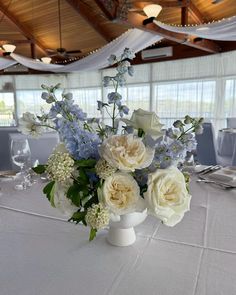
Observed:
{"x":50,"y":50}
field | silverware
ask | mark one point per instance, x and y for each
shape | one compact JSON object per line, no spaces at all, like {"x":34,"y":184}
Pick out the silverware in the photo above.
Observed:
{"x":223,"y":185}
{"x":210,"y":169}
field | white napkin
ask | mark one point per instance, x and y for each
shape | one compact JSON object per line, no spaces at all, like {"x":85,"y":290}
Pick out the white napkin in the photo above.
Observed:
{"x":226,"y":174}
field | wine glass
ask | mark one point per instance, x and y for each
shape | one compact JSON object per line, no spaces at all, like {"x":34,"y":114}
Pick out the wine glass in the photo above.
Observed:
{"x":21,"y":156}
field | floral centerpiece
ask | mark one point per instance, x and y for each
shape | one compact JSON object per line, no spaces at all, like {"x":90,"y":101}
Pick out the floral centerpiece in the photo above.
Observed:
{"x":100,"y":171}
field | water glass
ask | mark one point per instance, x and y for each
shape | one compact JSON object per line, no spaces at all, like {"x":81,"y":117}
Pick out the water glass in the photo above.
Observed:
{"x":21,"y":157}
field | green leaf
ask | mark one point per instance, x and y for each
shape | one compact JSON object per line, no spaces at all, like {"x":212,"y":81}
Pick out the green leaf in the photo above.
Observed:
{"x":73,"y":194}
{"x":39,"y":169}
{"x":141,"y":133}
{"x":49,"y":192}
{"x":83,"y":178}
{"x":90,"y":202}
{"x":89,"y":163}
{"x":79,"y":217}
{"x":92,"y":235}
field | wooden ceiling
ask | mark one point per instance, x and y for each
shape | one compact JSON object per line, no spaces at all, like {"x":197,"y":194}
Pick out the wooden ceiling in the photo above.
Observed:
{"x":33,"y":25}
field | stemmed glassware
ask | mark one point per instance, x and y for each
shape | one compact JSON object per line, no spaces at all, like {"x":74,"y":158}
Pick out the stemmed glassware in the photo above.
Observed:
{"x":21,"y":156}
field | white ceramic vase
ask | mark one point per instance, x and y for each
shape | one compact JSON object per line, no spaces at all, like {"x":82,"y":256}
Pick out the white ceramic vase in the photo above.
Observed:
{"x":121,"y":232}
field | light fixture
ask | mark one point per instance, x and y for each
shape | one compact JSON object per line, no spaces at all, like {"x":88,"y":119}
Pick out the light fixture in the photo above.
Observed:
{"x":152,"y":12}
{"x":202,"y":29}
{"x":9,"y":48}
{"x":46,"y":59}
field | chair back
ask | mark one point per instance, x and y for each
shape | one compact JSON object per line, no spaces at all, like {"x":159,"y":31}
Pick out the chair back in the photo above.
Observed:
{"x":41,"y":147}
{"x":234,"y":157}
{"x":5,"y":158}
{"x":206,"y":146}
{"x":231,"y":122}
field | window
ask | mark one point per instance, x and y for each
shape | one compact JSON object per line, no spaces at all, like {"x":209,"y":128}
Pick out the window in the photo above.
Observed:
{"x":174,"y":100}
{"x":7,"y":109}
{"x":87,"y":98}
{"x":30,"y":101}
{"x":230,"y":98}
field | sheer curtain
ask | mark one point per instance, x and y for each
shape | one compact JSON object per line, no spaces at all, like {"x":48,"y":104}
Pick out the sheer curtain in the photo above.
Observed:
{"x":173,"y":100}
{"x":204,"y":86}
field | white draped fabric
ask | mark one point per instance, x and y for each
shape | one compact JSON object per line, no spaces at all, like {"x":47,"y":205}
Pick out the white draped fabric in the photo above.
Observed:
{"x":134,"y":39}
{"x":5,"y":63}
{"x":224,"y":30}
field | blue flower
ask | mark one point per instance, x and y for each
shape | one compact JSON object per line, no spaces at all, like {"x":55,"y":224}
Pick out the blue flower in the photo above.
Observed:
{"x":176,"y":149}
{"x":120,"y":79}
{"x":80,"y":143}
{"x":112,"y":59}
{"x":106,"y":81}
{"x":123,"y":67}
{"x":131,"y":71}
{"x":49,"y":97}
{"x":114,"y":97}
{"x":127,"y":54}
{"x":123,"y":110}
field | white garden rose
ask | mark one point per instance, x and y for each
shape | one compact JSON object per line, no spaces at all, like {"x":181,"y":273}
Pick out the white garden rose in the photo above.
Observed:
{"x":60,"y":200}
{"x":167,"y":197}
{"x":147,"y":121}
{"x":121,"y":195}
{"x":126,"y":152}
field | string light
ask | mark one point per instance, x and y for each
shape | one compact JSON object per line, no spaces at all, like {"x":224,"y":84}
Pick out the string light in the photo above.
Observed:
{"x":196,"y":25}
{"x":94,"y":51}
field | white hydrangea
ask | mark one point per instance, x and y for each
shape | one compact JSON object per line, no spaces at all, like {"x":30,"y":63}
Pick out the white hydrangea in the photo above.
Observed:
{"x":97,"y":216}
{"x":60,"y":166}
{"x":103,"y":169}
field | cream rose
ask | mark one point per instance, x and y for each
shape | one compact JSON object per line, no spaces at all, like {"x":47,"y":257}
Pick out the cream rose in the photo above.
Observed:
{"x":147,"y":121}
{"x":126,"y":152}
{"x":167,"y":196}
{"x":121,"y":194}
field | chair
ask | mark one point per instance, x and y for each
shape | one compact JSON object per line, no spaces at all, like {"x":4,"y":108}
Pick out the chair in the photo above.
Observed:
{"x":231,"y":122}
{"x":206,"y":146}
{"x":40,"y":147}
{"x":5,"y":158}
{"x":234,"y":158}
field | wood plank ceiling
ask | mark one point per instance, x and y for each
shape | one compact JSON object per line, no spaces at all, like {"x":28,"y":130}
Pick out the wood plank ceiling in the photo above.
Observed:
{"x":85,"y":26}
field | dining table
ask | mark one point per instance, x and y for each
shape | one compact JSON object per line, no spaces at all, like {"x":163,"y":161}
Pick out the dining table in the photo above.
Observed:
{"x":41,"y":253}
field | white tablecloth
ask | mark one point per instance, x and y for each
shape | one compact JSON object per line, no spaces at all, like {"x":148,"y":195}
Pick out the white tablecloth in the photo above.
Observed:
{"x":226,"y":142}
{"x":40,"y":255}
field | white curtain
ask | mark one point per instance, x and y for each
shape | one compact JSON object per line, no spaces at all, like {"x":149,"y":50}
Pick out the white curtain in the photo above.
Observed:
{"x":224,"y":30}
{"x":204,"y":86}
{"x":134,"y":39}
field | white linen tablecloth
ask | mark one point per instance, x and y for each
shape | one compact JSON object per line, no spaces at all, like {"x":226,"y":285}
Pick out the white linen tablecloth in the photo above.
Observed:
{"x":40,"y":255}
{"x":226,"y":142}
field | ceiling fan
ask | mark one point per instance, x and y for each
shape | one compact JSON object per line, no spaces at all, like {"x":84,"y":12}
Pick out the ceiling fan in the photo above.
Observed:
{"x":61,"y":51}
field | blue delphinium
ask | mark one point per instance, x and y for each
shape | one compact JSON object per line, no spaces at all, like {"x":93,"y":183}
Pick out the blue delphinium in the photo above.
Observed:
{"x":80,"y":143}
{"x":115,"y":108}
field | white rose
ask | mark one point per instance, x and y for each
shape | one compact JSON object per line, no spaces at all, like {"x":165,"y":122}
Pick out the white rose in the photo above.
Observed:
{"x":60,"y":200}
{"x":121,"y":194}
{"x":126,"y":152}
{"x":167,"y":196}
{"x":147,"y":121}
{"x":28,"y":125}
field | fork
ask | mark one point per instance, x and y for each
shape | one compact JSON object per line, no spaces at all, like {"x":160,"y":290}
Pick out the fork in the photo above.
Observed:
{"x":223,"y":185}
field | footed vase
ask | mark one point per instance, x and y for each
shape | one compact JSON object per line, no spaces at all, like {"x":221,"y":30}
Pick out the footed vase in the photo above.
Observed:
{"x":121,"y":231}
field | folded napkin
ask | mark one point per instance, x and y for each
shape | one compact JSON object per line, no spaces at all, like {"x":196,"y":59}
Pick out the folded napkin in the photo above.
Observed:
{"x":7,"y":173}
{"x":227,"y":174}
